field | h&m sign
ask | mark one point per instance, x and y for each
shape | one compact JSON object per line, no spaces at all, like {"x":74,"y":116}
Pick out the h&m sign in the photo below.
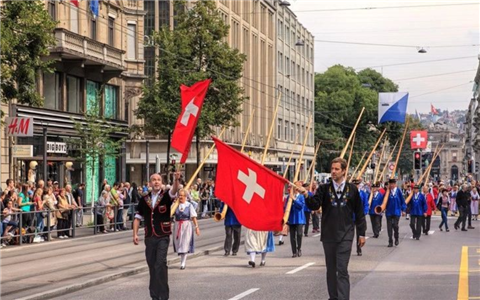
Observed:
{"x":56,"y":147}
{"x":17,"y":126}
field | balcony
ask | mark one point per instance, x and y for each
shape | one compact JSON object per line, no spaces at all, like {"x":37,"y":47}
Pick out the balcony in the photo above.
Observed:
{"x":72,"y":46}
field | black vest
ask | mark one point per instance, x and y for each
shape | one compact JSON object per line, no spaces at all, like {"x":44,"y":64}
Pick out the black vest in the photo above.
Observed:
{"x":157,"y":219}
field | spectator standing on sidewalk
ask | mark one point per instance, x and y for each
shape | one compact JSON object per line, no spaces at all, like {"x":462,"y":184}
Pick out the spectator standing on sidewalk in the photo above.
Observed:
{"x":50,"y":202}
{"x":80,"y":199}
{"x":154,"y":209}
{"x":127,"y":201}
{"x":24,"y":204}
{"x":100,"y":210}
{"x":73,"y":206}
{"x":37,"y":199}
{"x":62,"y":215}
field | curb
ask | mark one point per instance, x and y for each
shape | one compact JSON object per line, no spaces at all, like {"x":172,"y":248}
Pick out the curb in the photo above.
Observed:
{"x":107,"y":278}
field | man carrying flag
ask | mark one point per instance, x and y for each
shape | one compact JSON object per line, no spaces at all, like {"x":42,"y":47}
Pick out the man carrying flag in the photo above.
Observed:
{"x":254,"y":193}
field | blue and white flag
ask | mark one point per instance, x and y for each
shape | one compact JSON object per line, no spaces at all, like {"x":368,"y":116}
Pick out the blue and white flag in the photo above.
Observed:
{"x":94,"y":7}
{"x":392,"y":107}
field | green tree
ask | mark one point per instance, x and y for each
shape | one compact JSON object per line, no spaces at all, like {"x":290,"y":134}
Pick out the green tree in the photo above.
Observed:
{"x":194,"y":51}
{"x":94,"y":142}
{"x":26,"y":34}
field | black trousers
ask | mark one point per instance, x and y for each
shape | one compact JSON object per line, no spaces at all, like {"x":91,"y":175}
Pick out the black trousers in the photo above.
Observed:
{"x":337,"y":256}
{"x":462,"y":218}
{"x":315,"y":221}
{"x":426,"y":224}
{"x":469,"y":214}
{"x":392,"y":227}
{"x":307,"y":221}
{"x":232,"y":235}
{"x":62,"y":227}
{"x":415,"y":225}
{"x":376,"y":224}
{"x":101,"y":228}
{"x":156,"y":255}
{"x":296,"y":233}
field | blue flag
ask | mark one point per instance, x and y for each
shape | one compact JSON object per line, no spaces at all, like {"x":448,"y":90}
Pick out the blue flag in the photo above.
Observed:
{"x":392,"y":107}
{"x":94,"y":7}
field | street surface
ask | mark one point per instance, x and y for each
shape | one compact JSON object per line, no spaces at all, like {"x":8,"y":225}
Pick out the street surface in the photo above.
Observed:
{"x":439,"y":266}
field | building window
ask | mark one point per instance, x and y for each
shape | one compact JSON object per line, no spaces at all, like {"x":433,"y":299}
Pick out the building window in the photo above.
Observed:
{"x":132,"y":41}
{"x":111,"y":31}
{"x":73,"y":95}
{"x":93,"y":28}
{"x":287,"y":35}
{"x":73,"y":18}
{"x":279,"y":128}
{"x":292,"y":132}
{"x":280,"y":62}
{"x":111,"y":102}
{"x":163,"y":13}
{"x":52,"y":90}
{"x":280,"y":29}
{"x":286,"y":130}
{"x":93,"y":97}
{"x":52,"y":9}
{"x":287,"y":66}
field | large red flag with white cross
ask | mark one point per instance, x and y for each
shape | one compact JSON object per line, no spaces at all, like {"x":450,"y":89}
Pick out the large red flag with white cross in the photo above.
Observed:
{"x":192,"y":102}
{"x":254,"y":193}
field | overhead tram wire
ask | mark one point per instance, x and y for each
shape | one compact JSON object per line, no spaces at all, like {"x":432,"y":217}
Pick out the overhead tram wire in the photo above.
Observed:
{"x":392,"y":45}
{"x":416,"y":62}
{"x":383,"y":7}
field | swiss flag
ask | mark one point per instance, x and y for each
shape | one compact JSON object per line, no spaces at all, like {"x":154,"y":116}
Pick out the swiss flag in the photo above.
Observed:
{"x":254,"y":192}
{"x":418,"y":139}
{"x":433,"y":109}
{"x":74,"y":2}
{"x":192,"y":102}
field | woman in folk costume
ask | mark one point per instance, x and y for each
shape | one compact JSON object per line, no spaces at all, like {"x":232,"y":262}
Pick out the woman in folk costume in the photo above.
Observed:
{"x":258,"y":242}
{"x":474,"y":204}
{"x":185,"y":224}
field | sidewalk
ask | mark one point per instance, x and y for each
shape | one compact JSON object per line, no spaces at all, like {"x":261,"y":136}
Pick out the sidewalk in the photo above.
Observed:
{"x":42,"y":271}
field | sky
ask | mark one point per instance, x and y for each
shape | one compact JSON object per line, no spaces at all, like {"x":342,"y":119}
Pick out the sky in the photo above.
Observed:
{"x":447,"y":30}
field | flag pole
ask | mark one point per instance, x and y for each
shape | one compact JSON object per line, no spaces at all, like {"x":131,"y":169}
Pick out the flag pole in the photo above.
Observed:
{"x":218,"y":216}
{"x":274,"y":117}
{"x":377,"y":169}
{"x":174,"y":206}
{"x":309,"y":173}
{"x":360,"y":174}
{"x":359,"y":164}
{"x":297,"y":173}
{"x":350,"y":155}
{"x":290,"y":158}
{"x":351,"y":135}
{"x":380,"y":208}
{"x":380,"y":177}
{"x":314,"y":163}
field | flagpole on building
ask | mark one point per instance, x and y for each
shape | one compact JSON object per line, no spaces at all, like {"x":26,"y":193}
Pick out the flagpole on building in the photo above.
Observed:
{"x":350,"y":155}
{"x":351,"y":135}
{"x":175,"y":204}
{"x":297,"y":173}
{"x":360,"y":173}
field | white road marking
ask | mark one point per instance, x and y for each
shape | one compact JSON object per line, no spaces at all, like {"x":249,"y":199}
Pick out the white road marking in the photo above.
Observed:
{"x":300,"y":268}
{"x":246,"y":293}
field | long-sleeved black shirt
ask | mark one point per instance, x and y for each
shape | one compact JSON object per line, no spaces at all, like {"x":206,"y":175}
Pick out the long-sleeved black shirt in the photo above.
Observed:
{"x":339,"y":212}
{"x":462,"y":198}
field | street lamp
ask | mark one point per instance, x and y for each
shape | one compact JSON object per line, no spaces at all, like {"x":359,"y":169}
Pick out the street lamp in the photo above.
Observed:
{"x":284,"y":3}
{"x":422,"y":50}
{"x":300,"y":43}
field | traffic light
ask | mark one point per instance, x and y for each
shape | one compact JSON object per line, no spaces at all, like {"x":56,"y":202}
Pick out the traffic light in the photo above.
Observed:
{"x":417,"y":160}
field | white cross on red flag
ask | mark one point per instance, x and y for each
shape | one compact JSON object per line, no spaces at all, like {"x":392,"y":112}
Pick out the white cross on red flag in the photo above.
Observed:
{"x":418,"y":139}
{"x":192,"y":102}
{"x":252,"y":191}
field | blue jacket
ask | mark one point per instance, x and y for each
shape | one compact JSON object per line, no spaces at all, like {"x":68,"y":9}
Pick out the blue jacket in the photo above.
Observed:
{"x":396,"y":204}
{"x":230,"y":218}
{"x":376,"y":201}
{"x":297,"y":216}
{"x":364,"y":196}
{"x":418,"y":206}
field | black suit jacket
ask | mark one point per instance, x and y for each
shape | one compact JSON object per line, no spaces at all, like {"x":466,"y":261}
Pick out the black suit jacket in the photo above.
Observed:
{"x":338,"y":220}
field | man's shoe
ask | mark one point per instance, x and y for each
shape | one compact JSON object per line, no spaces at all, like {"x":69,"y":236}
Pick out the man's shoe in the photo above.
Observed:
{"x":471,"y":227}
{"x":182,"y":267}
{"x":294,"y":255}
{"x":448,"y":230}
{"x":226,"y":253}
{"x":463,"y":229}
{"x":417,"y":238}
{"x":390,"y":244}
{"x":375,"y":236}
{"x":306,"y":234}
{"x":281,"y":243}
{"x":299,"y":253}
{"x":359,"y":253}
{"x":396,"y":242}
{"x":252,"y":263}
{"x":456,"y":226}
{"x":234,"y":254}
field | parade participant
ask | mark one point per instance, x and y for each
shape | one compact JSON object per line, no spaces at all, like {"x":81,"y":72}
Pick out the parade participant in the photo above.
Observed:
{"x":364,"y":196}
{"x":308,"y":213}
{"x":338,"y":200}
{"x":431,"y":206}
{"x":258,"y":242}
{"x":185,"y":217}
{"x":375,"y":218}
{"x":462,"y":203}
{"x":474,"y":206}
{"x":453,"y":200}
{"x":395,"y":207}
{"x":154,"y":209}
{"x":296,"y":221}
{"x":315,"y":220}
{"x":233,"y":232}
{"x":418,"y":210}
{"x":443,"y":204}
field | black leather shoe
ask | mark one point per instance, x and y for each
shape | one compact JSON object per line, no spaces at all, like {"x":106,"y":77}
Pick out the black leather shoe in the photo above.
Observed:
{"x":417,"y":238}
{"x":375,"y":236}
{"x":390,"y":244}
{"x":359,"y":253}
{"x":182,"y":268}
{"x":294,"y":255}
{"x":252,"y":263}
{"x":226,"y":254}
{"x":299,"y":253}
{"x":234,"y":254}
{"x":281,"y":243}
{"x":396,"y":242}
{"x":463,"y":229}
{"x":306,"y":234}
{"x":456,"y":226}
{"x":262,"y":264}
{"x":471,"y":227}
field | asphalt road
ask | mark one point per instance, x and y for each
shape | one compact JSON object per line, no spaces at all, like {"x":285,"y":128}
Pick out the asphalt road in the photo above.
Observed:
{"x":440,"y":266}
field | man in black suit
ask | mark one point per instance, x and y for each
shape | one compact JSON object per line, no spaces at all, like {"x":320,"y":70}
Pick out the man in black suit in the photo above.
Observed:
{"x":462,"y":204}
{"x":341,"y":205}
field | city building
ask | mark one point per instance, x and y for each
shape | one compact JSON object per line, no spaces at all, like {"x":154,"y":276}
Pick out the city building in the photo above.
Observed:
{"x":98,"y":63}
{"x":472,"y":140}
{"x":449,"y":164}
{"x":254,"y":30}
